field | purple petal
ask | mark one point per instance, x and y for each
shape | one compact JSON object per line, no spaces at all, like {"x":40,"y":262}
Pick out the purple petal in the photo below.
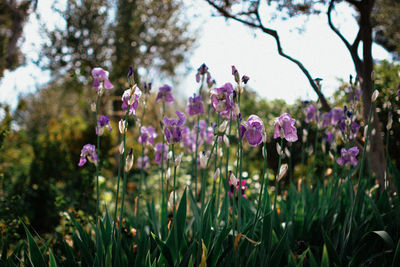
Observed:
{"x":254,"y":137}
{"x":108,"y":84}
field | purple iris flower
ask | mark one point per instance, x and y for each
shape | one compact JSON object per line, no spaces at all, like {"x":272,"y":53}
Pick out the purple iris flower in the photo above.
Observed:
{"x":158,"y":150}
{"x":147,"y":135}
{"x":143,"y":162}
{"x":221,"y":100}
{"x":165,"y":94}
{"x":245,"y":79}
{"x":173,"y":128}
{"x":99,"y":76}
{"x":88,"y":152}
{"x":342,"y":124}
{"x":311,"y":113}
{"x":130,"y":100}
{"x":195,"y":105}
{"x":188,"y":140}
{"x":354,"y":94}
{"x":284,"y":128}
{"x":348,"y":156}
{"x":252,"y":129}
{"x":103,"y":122}
{"x":354,"y":128}
{"x":329,"y":137}
{"x":326,"y":119}
{"x":201,"y":71}
{"x":337,"y":114}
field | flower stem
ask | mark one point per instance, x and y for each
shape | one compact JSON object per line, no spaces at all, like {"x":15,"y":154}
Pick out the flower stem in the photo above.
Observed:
{"x":97,"y":165}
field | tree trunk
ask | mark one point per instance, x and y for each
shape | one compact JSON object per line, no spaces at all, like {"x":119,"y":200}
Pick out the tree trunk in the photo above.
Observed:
{"x":376,"y":155}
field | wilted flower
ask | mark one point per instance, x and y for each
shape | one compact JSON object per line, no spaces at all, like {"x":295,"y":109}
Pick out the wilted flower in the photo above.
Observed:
{"x":348,"y":156}
{"x":284,"y":128}
{"x":103,"y":122}
{"x":130,"y":99}
{"x":311,"y":113}
{"x":221,"y":100}
{"x":195,"y":105}
{"x":143,"y":162}
{"x":99,"y":76}
{"x":158,"y":150}
{"x":173,"y":128}
{"x":88,"y":152}
{"x":165,"y":95}
{"x":253,"y":130}
{"x":147,"y":135}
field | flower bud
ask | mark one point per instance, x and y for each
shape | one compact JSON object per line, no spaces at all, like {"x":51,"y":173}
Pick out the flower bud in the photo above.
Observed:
{"x":278,"y":149}
{"x":375,"y":95}
{"x":169,"y":155}
{"x":222,"y":127}
{"x":173,"y":195}
{"x":93,"y":106}
{"x":264,"y":153}
{"x":121,"y":148}
{"x":233,"y":178}
{"x":287,"y":152}
{"x":122,"y":125}
{"x":389,"y":123}
{"x":129,"y":161}
{"x":203,"y":160}
{"x":168,"y":174}
{"x":282,"y":172}
{"x":226,"y":140}
{"x":216,"y":174}
{"x":178,"y":160}
{"x":264,"y":137}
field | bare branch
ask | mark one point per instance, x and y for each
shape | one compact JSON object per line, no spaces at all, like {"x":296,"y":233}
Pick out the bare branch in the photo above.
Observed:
{"x":353,"y":48}
{"x":274,"y":34}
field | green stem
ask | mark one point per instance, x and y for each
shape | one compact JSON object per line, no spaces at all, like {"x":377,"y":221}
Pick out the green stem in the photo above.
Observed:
{"x":98,"y":163}
{"x":262,"y":186}
{"x":279,"y":168}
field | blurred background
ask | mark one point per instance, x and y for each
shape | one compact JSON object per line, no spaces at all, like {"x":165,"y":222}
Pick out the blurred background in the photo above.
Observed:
{"x":48,"y":49}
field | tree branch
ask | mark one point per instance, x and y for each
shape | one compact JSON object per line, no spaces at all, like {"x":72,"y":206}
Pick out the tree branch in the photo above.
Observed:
{"x":274,"y":34}
{"x":351,"y":47}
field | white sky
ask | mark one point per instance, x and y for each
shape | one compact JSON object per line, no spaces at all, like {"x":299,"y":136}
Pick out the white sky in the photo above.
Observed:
{"x":222,"y":44}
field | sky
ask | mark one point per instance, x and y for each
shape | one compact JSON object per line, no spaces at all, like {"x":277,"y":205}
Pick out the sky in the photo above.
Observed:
{"x":223,"y":43}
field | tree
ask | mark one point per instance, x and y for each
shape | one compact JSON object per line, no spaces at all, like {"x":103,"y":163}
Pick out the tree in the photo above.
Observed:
{"x":249,"y":13}
{"x":13,"y":15}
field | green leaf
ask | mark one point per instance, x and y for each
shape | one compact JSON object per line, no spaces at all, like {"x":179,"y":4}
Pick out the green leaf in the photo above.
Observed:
{"x":164,"y":250}
{"x":278,"y":251}
{"x":181,"y":217}
{"x":35,"y":256}
{"x":396,"y":257}
{"x":330,"y":248}
{"x":325,"y":258}
{"x":52,"y":259}
{"x":108,"y":262}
